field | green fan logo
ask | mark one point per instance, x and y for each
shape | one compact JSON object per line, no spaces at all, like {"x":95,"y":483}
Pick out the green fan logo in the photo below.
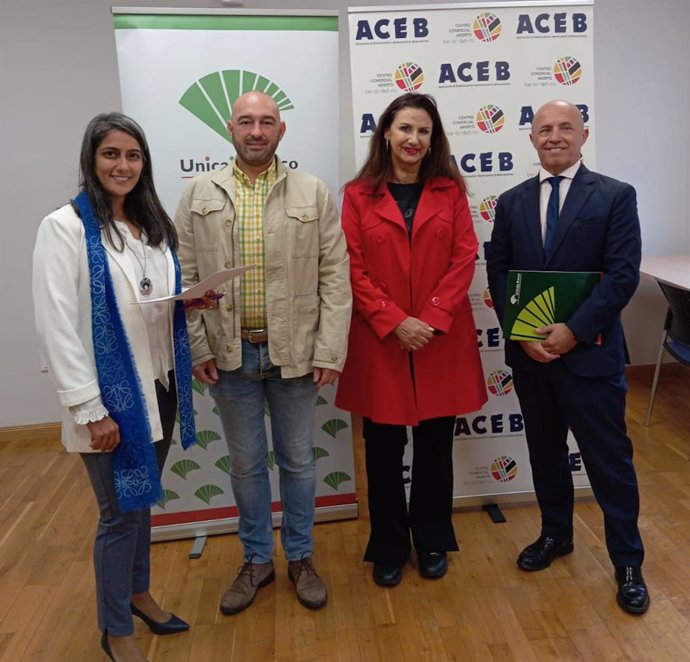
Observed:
{"x":206,"y":492}
{"x":183,"y":467}
{"x":211,"y":97}
{"x":540,"y":311}
{"x":168,"y":495}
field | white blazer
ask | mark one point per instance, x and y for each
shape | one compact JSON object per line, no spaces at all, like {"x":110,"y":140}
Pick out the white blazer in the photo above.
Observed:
{"x":62,"y":308}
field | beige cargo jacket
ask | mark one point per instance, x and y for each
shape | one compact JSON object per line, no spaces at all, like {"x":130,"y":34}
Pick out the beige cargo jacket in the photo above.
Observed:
{"x":308,"y":295}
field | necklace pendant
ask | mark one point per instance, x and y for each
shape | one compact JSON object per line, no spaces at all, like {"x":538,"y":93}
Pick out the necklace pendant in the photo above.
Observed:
{"x":145,"y":286}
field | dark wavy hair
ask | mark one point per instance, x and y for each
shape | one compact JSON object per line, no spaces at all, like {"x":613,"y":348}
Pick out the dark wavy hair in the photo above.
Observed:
{"x":142,"y":205}
{"x":378,"y":168}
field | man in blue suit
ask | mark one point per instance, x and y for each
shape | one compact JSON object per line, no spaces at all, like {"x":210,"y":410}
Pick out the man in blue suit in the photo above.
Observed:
{"x":570,"y":219}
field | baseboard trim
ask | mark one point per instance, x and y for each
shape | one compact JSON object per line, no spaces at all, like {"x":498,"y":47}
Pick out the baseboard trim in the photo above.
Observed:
{"x":669,"y":367}
{"x":49,"y":431}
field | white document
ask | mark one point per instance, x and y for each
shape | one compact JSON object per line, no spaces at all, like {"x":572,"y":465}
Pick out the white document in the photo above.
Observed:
{"x":197,"y":291}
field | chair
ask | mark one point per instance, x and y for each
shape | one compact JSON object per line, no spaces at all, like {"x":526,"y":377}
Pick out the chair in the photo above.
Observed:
{"x":675,"y":338}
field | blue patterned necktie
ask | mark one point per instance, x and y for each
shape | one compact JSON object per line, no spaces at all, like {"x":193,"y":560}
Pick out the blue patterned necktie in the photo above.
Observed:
{"x":551,"y":213}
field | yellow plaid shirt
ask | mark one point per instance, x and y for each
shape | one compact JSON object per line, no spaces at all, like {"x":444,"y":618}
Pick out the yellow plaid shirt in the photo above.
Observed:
{"x":250,"y":200}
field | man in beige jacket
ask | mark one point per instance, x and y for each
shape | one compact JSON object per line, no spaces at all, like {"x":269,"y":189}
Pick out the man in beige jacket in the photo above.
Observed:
{"x":278,"y":335}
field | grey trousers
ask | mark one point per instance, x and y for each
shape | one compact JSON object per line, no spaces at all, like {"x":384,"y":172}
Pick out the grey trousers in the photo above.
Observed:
{"x":121,"y":551}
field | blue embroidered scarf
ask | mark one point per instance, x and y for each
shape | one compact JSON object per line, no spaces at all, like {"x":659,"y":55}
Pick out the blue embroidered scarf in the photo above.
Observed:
{"x":137,"y":481}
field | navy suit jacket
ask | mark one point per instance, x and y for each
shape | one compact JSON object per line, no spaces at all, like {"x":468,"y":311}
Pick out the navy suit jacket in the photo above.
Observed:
{"x":598,"y":230}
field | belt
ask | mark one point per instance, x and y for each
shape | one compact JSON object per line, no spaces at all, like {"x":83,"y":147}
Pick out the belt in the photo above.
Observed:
{"x":255,"y":336}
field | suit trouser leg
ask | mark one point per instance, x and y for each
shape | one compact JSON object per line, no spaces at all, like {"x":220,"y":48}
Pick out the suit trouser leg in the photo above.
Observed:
{"x":431,"y":493}
{"x":167,"y":408}
{"x":597,"y":418}
{"x":552,"y":398}
{"x":546,"y":431}
{"x":113,"y":549}
{"x":389,"y":540}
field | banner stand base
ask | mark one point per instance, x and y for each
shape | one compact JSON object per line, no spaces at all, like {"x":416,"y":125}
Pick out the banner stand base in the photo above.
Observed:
{"x":494,"y":512}
{"x":198,"y":547}
{"x":508,"y":499}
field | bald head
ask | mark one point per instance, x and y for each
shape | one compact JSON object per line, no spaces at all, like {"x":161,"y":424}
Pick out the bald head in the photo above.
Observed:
{"x":558,"y":134}
{"x":255,"y":129}
{"x":559,"y":106}
{"x":255,"y":100}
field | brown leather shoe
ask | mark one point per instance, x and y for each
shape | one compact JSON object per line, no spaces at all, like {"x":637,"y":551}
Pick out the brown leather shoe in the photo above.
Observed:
{"x":311,"y":589}
{"x":250,"y":578}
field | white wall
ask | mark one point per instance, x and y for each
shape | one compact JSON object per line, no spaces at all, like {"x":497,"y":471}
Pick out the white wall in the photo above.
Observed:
{"x":58,"y":69}
{"x":642,"y":101}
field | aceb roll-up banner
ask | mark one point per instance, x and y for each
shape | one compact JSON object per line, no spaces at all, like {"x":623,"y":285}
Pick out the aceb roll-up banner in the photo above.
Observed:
{"x":489,"y":66}
{"x":180,"y":72}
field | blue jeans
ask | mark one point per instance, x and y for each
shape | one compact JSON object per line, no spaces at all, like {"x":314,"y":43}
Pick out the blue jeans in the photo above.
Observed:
{"x":121,"y":551}
{"x":240,"y":396}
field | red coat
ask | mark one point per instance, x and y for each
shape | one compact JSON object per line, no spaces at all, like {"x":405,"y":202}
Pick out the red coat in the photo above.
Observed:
{"x":394,"y":277}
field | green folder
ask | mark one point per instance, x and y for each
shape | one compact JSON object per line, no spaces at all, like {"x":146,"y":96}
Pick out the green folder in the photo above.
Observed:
{"x":540,"y":298}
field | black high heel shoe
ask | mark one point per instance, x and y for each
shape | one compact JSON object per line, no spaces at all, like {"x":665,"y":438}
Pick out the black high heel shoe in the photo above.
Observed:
{"x":172,"y":626}
{"x":105,"y":645}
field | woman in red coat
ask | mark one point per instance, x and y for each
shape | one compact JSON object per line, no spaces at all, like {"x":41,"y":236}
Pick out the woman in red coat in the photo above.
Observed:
{"x":413,"y":357}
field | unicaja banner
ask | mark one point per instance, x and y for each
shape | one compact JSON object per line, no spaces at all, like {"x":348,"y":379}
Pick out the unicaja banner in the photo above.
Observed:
{"x":489,"y":66}
{"x":180,"y":72}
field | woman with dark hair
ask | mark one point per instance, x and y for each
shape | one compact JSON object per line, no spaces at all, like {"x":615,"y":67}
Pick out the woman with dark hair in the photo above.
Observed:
{"x":120,"y":369}
{"x":413,"y":358}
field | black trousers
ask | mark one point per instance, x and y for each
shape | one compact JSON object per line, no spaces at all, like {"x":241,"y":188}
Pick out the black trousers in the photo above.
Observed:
{"x":553,"y":399}
{"x":429,"y":518}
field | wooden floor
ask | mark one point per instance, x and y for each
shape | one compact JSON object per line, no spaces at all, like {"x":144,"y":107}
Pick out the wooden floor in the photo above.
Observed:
{"x":484,"y":610}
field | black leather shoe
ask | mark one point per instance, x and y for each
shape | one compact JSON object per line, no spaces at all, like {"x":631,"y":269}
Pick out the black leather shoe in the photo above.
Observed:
{"x":433,"y":565}
{"x":542,"y":551}
{"x":387,"y":575}
{"x":632,"y":596}
{"x":172,"y":626}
